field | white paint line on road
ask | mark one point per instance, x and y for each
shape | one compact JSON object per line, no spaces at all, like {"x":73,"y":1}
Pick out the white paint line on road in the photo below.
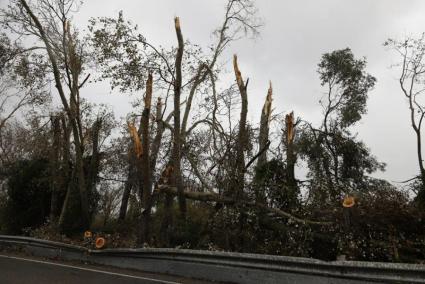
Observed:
{"x":91,"y":270}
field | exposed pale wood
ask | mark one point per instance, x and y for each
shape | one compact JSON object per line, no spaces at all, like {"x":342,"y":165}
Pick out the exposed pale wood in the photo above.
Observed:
{"x":264,"y":126}
{"x":138,"y":150}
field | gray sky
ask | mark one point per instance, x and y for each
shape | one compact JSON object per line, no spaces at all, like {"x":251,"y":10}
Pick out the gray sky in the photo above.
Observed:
{"x":295,"y":35}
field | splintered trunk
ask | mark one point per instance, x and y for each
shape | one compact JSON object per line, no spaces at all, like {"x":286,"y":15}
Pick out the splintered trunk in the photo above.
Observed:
{"x":143,"y":166}
{"x":176,"y":151}
{"x":264,"y":127}
{"x":242,"y":139}
{"x":54,"y":165}
{"x":263,"y":138}
{"x":241,"y":145}
{"x":138,"y":152}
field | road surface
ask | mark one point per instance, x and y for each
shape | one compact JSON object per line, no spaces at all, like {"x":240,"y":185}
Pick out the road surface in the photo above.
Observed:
{"x":22,"y":269}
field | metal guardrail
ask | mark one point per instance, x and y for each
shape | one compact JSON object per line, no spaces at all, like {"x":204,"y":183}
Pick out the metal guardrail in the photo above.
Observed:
{"x":228,"y":267}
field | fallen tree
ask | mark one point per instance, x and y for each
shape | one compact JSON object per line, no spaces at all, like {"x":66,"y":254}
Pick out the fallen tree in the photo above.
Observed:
{"x":214,"y":197}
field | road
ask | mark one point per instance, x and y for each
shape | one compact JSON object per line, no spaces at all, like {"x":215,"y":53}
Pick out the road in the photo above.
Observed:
{"x":18,"y":269}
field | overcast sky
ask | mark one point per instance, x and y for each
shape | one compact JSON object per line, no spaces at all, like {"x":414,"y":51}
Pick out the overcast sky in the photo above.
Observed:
{"x":295,"y":35}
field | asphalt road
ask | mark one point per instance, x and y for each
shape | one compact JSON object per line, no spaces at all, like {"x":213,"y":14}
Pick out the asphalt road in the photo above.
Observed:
{"x":17,"y":270}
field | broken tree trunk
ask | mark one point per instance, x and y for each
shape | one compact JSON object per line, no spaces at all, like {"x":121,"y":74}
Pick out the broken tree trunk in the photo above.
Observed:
{"x":177,"y":144}
{"x":241,"y":143}
{"x":264,"y":127}
{"x":138,"y":152}
{"x":146,"y":163}
{"x":238,"y":178}
{"x":137,"y":144}
{"x":129,"y":183}
{"x":263,"y":138}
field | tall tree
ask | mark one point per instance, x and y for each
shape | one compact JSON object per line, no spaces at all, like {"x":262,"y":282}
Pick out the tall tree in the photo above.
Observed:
{"x":177,"y":143}
{"x":329,"y":148}
{"x":49,"y":23}
{"x":146,"y":163}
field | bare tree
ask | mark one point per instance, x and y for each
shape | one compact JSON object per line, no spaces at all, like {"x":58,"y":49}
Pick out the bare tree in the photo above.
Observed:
{"x":411,"y":80}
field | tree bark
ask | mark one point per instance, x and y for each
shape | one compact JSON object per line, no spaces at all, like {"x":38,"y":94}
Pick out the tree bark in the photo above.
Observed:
{"x":156,"y":143}
{"x":68,"y":173}
{"x":54,"y":164}
{"x":127,"y":191}
{"x":291,"y":157}
{"x":93,"y":171}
